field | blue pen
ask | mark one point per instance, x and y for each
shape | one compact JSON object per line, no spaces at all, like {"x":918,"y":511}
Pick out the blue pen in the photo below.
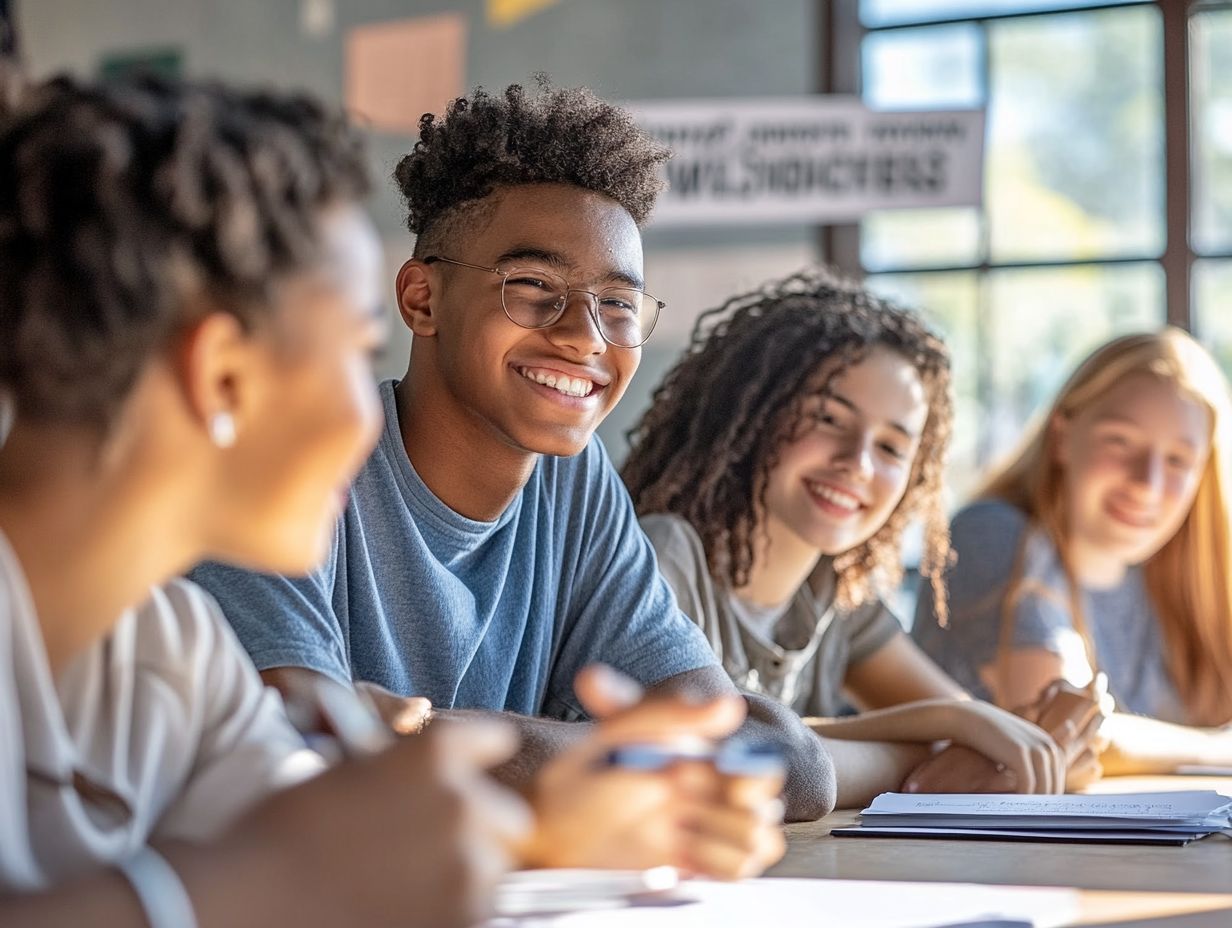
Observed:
{"x":732,"y":758}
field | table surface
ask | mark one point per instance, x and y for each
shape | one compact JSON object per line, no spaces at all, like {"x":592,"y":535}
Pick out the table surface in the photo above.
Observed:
{"x":1188,"y":886}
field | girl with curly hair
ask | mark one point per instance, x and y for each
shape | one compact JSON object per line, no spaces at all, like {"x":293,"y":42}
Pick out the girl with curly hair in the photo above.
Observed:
{"x":778,"y":467}
{"x":1105,"y":543}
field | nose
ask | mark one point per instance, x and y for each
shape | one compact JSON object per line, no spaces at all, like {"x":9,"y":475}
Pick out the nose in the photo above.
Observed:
{"x":1148,"y":472}
{"x":577,"y":328}
{"x":856,"y":455}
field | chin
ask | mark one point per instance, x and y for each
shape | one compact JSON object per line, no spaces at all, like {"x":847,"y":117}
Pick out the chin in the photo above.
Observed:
{"x":562,"y":443}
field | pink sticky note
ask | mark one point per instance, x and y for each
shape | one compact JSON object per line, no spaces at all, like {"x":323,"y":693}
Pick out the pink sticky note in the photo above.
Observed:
{"x":397,"y":71}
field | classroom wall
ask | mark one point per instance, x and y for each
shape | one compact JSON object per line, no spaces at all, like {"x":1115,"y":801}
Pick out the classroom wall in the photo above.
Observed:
{"x":624,"y":49}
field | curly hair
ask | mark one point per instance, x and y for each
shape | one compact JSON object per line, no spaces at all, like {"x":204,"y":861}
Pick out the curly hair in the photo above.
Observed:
{"x":757,"y":359}
{"x":121,"y":202}
{"x":484,"y":142}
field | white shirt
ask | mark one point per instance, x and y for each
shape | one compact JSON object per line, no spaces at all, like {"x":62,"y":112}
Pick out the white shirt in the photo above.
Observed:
{"x":166,"y":711}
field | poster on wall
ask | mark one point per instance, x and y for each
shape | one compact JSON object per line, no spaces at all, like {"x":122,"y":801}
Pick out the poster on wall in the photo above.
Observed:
{"x":822,"y":159}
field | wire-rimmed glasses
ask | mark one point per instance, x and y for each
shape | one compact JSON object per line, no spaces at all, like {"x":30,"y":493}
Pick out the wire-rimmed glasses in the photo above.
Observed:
{"x":535,"y":298}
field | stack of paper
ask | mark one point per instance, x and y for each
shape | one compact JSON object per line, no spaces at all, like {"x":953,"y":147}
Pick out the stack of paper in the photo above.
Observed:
{"x":1128,"y":818}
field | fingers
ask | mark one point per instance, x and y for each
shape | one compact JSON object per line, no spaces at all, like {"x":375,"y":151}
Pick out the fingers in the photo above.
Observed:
{"x":666,"y":719}
{"x":604,"y":691}
{"x":730,"y":844}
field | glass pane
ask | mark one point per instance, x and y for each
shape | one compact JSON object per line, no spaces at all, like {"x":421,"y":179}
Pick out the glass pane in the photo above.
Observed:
{"x":1043,"y":322}
{"x":934,"y":68}
{"x":1075,"y":161}
{"x":890,"y":12}
{"x":1211,"y":86}
{"x":950,"y":301}
{"x":1212,"y":284}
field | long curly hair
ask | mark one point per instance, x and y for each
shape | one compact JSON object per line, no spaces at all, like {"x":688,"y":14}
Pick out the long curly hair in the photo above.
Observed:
{"x":121,"y":201}
{"x":717,"y":424}
{"x":484,"y":142}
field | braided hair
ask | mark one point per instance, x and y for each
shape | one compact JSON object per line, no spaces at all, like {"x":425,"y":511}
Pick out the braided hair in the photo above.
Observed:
{"x":561,"y":136}
{"x":122,"y":202}
{"x":716,"y":426}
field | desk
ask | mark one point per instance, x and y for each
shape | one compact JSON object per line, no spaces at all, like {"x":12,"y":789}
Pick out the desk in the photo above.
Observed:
{"x":1125,"y":884}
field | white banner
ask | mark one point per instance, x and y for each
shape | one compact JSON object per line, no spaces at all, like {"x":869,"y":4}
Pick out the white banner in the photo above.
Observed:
{"x":821,"y":159}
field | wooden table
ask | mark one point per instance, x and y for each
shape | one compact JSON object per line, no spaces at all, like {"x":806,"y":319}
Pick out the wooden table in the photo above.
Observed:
{"x":1187,"y":886}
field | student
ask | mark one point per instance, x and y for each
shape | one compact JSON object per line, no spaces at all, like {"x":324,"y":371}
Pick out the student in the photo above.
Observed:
{"x":1104,"y":544}
{"x":189,"y":316}
{"x":488,"y":550}
{"x":777,"y":508}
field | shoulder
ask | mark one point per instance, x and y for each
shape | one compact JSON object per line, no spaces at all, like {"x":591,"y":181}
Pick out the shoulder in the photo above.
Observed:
{"x":985,"y":536}
{"x":673,"y":538}
{"x":989,"y":520}
{"x":181,"y":627}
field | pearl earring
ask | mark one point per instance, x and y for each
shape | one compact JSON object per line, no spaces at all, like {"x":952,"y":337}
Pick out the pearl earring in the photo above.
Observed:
{"x":222,"y":429}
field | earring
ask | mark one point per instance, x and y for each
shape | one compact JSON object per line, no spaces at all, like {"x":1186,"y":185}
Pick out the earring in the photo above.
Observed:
{"x":222,"y":429}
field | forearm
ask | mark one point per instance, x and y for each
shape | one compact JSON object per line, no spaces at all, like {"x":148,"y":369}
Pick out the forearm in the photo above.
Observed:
{"x":540,"y":739}
{"x":1141,"y":745}
{"x":918,"y":722}
{"x":865,"y":769}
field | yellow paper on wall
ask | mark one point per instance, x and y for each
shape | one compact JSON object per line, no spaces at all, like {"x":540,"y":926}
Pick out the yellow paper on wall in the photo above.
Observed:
{"x":397,"y":71}
{"x":506,"y":13}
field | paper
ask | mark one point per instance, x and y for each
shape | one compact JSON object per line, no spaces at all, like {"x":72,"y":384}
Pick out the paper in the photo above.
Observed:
{"x":1060,"y":836}
{"x":833,"y":904}
{"x":1191,"y":812}
{"x":397,"y":71}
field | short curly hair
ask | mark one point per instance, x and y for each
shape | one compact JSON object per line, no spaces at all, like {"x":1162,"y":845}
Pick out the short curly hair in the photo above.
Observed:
{"x":121,"y":201}
{"x":484,"y":142}
{"x":756,"y":360}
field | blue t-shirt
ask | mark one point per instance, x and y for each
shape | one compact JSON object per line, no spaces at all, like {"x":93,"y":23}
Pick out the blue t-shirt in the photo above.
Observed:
{"x":987,"y":537}
{"x":481,"y":615}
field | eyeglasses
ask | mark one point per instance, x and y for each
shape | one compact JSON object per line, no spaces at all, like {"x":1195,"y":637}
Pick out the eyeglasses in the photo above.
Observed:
{"x":536,"y":299}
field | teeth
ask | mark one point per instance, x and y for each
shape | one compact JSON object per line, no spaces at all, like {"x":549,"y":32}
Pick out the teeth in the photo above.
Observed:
{"x":837,"y":497}
{"x":570,"y":386}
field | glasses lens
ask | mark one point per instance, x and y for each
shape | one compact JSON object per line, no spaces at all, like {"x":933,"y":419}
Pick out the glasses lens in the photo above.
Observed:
{"x":627,"y":316}
{"x":533,"y":298}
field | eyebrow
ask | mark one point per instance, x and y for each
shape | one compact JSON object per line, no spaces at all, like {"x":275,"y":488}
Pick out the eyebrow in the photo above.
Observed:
{"x":843,"y":401}
{"x":1125,"y":420}
{"x":557,"y":262}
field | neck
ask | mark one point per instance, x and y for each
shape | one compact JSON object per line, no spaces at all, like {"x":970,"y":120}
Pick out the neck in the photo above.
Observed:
{"x":458,"y":457}
{"x":91,"y":538}
{"x":782,"y":563}
{"x":1094,"y":567}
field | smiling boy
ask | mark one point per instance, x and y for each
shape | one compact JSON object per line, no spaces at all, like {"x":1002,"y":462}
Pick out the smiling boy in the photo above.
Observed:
{"x":488,"y":550}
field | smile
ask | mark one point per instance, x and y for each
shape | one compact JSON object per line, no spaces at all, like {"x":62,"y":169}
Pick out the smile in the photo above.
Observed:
{"x":1132,"y":519}
{"x":562,"y":383}
{"x":837,"y":499}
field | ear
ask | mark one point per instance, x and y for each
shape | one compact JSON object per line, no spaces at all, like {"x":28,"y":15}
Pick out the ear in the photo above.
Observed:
{"x":215,"y":363}
{"x":415,"y":298}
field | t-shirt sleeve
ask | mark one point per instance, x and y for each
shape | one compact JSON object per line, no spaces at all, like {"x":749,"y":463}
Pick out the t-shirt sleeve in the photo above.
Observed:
{"x":869,"y":627}
{"x":245,"y":746}
{"x":986,"y":539}
{"x":282,"y":622}
{"x":621,"y":611}
{"x":682,"y":562}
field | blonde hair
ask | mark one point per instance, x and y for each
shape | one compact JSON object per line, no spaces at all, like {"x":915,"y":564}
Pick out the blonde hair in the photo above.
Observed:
{"x":1189,"y":580}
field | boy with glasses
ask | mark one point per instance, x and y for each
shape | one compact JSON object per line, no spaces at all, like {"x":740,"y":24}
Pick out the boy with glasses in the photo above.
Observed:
{"x":488,"y":551}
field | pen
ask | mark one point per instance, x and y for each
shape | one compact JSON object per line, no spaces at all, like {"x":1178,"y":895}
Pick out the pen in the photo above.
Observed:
{"x":733,"y":758}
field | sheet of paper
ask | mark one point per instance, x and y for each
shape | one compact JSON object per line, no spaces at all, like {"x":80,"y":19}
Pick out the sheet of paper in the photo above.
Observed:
{"x":1063,"y":836}
{"x":832,"y":904}
{"x":397,"y":71}
{"x":1189,"y":805}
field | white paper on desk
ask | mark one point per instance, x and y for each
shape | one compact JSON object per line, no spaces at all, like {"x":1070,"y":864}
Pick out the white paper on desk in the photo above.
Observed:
{"x":1190,"y":810}
{"x":1155,"y":836}
{"x":834,"y":904}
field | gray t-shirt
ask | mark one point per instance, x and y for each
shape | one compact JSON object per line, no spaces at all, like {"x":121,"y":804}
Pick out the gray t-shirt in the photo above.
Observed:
{"x":1123,"y":627}
{"x":797,"y":654}
{"x":477,"y":615}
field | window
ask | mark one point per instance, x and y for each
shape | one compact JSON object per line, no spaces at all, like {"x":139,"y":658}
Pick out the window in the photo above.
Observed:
{"x":1072,"y":244}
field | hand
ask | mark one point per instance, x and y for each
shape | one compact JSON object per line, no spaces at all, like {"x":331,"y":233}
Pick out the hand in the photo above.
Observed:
{"x":1074,"y":717}
{"x":407,"y":715}
{"x":416,"y":835}
{"x":1032,"y":757}
{"x":959,"y":769}
{"x":688,"y":816}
